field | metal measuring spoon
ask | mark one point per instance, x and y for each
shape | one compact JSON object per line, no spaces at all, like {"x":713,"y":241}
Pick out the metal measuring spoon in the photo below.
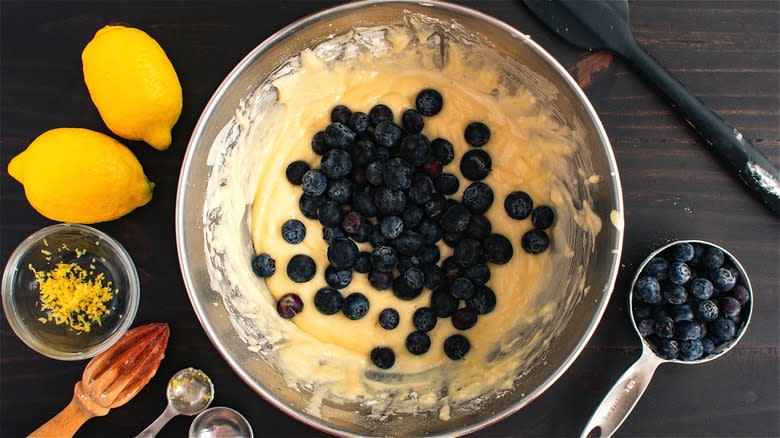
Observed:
{"x":189,"y":392}
{"x":220,"y":422}
{"x":624,"y":395}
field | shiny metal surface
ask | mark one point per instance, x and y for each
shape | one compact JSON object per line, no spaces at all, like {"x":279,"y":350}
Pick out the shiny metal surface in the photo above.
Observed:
{"x":601,"y":269}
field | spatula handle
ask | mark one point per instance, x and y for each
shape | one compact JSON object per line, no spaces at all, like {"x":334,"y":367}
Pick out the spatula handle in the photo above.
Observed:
{"x":66,"y":423}
{"x":753,"y":168}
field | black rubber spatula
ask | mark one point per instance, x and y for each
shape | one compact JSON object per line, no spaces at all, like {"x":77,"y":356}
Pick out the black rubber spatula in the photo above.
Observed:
{"x":604,"y":24}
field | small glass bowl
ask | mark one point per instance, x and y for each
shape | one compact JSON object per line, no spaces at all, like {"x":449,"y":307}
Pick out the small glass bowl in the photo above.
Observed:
{"x":95,"y":252}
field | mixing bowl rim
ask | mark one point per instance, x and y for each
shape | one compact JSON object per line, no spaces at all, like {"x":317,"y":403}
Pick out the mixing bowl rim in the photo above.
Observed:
{"x":243,"y":65}
{"x":125,"y":262}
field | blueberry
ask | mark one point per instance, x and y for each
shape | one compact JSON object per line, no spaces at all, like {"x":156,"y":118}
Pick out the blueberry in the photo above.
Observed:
{"x":479,"y":228}
{"x":687,"y":330}
{"x":374,"y":172}
{"x":535,"y":241}
{"x":389,"y":201}
{"x":314,"y":182}
{"x":477,"y":134}
{"x":707,"y":310}
{"x":363,"y":201}
{"x":289,"y":305}
{"x":335,"y":163}
{"x":383,"y":357}
{"x":318,"y":144}
{"x":432,"y":168}
{"x":679,"y":273}
{"x":380,"y":280}
{"x":734,"y":271}
{"x":384,"y":258}
{"x":388,"y":134}
{"x":469,"y":252}
{"x":462,"y":288}
{"x":475,"y":164}
{"x":429,"y":102}
{"x":456,"y":347}
{"x":691,"y":349}
{"x":455,"y":219}
{"x":389,"y":319}
{"x":698,"y":253}
{"x":363,"y":264}
{"x":362,"y":153}
{"x":263,"y":265}
{"x":340,"y":190}
{"x":330,"y":234}
{"x":702,"y":329}
{"x":657,"y":267}
{"x":452,"y":239}
{"x":674,"y":293}
{"x":446,"y":184}
{"x":397,"y":174}
{"x":498,"y":249}
{"x":741,"y":294}
{"x":436,"y":206}
{"x":295,"y":171}
{"x":328,"y":301}
{"x":340,"y":113}
{"x":342,"y":253}
{"x":412,"y":215}
{"x":477,"y":197}
{"x":542,"y":217}
{"x":408,"y":243}
{"x":668,"y":348}
{"x":416,"y":149}
{"x":358,"y":122}
{"x":701,"y":288}
{"x":483,"y":300}
{"x":729,"y":306}
{"x":664,"y":327}
{"x":722,"y":329}
{"x":464,"y":319}
{"x":642,"y":311}
{"x":442,"y":303}
{"x":379,"y":113}
{"x":648,"y":290}
{"x":376,"y":238}
{"x":413,"y":278}
{"x":338,"y":135}
{"x":391,"y":226}
{"x":293,"y":231}
{"x":338,"y":278}
{"x":310,"y":204}
{"x":434,"y":276}
{"x":451,"y":268}
{"x":646,"y":327}
{"x":478,"y":274}
{"x":712,"y":258}
{"x":682,"y":252}
{"x":421,"y":189}
{"x":403,"y":291}
{"x":518,"y":205}
{"x":682,"y":312}
{"x":429,"y":253}
{"x":430,"y":232}
{"x":355,"y":306}
{"x":330,"y":214}
{"x":708,"y":346}
{"x":353,"y":223}
{"x":301,"y":268}
{"x":412,"y":121}
{"x":442,"y":150}
{"x":722,"y":279}
{"x":424,"y":319}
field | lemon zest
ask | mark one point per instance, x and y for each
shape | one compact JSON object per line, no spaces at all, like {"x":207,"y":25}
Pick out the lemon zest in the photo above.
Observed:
{"x":68,"y":296}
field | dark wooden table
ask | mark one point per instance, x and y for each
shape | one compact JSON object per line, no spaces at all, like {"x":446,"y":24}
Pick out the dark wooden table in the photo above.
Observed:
{"x":727,"y":52}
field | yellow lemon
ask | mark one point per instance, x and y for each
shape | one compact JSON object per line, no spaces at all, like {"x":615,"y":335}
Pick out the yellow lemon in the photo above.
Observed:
{"x":80,"y":176}
{"x":133,"y":84}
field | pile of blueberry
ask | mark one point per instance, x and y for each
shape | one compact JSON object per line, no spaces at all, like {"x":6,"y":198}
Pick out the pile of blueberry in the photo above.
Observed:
{"x":689,"y":300}
{"x":383,"y":184}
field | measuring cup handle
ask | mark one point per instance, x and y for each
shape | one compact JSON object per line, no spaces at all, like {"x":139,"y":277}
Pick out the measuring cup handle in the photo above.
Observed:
{"x":158,"y":424}
{"x":624,"y":395}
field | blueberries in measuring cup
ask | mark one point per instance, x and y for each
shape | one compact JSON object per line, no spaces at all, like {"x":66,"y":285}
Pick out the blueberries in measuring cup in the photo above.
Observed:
{"x":689,"y":301}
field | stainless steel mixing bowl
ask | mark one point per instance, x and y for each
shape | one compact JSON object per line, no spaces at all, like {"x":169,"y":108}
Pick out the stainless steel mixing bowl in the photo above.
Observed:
{"x":599,"y":257}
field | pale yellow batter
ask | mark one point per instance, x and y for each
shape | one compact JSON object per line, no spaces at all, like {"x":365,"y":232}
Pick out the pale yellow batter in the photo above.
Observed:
{"x":329,"y":355}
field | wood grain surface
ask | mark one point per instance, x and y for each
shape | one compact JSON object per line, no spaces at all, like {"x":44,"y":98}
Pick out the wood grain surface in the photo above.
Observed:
{"x":726,"y":52}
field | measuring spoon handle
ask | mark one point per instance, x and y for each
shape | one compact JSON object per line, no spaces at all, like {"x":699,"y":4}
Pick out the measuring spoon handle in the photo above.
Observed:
{"x":624,"y":395}
{"x":158,"y":424}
